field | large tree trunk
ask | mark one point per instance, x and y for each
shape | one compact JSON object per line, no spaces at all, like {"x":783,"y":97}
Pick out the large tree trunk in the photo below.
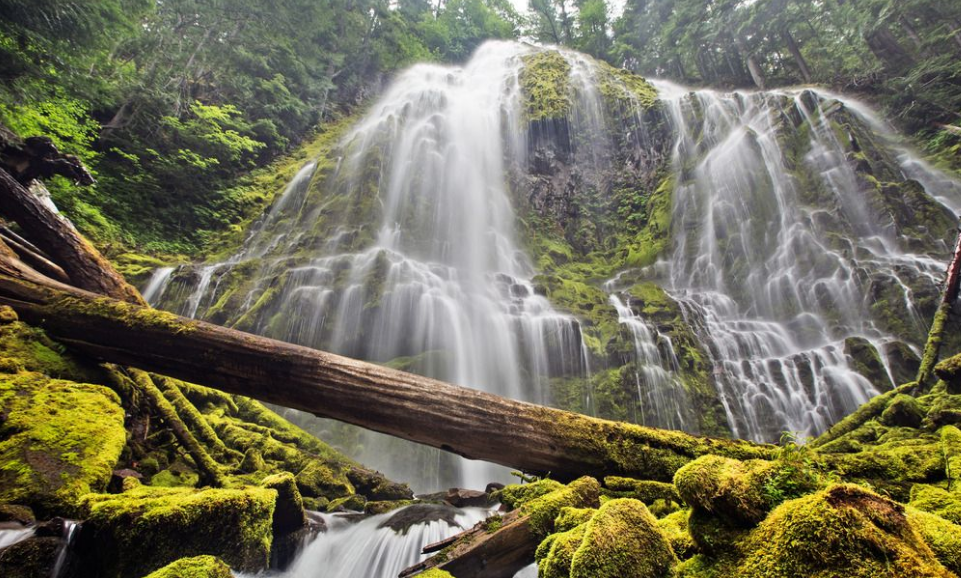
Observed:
{"x":932,"y":348}
{"x":56,"y":237}
{"x":471,"y":423}
{"x":795,"y":51}
{"x":885,"y":46}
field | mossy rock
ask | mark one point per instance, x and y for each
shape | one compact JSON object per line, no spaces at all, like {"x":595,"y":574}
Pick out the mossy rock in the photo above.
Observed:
{"x":354,"y":503}
{"x":137,"y":532}
{"x":728,"y":488}
{"x":60,"y":440}
{"x":555,"y":553}
{"x":644,"y":490}
{"x":623,"y":540}
{"x":903,"y":411}
{"x":24,"y":348}
{"x":569,"y":518}
{"x":435,"y":573}
{"x":845,"y":530}
{"x":289,"y":515}
{"x":318,"y":480}
{"x":714,"y":535}
{"x":949,"y":371}
{"x":253,"y":461}
{"x":16,"y":513}
{"x":943,"y":537}
{"x":581,"y":493}
{"x":545,"y":85}
{"x":516,"y":495}
{"x":382,"y":506}
{"x":674,"y":527}
{"x":30,"y":558}
{"x":196,"y":567}
{"x":937,"y":501}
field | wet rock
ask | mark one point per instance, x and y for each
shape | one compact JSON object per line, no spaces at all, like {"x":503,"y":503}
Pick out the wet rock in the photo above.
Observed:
{"x":14,"y":513}
{"x":353,"y":503}
{"x":403,"y":520}
{"x":31,"y":558}
{"x":461,"y":498}
{"x":285,"y":548}
{"x":116,"y":484}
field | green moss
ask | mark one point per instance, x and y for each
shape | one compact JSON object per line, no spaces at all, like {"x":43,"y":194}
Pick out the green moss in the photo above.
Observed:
{"x":555,"y":553}
{"x":617,"y":84}
{"x":354,"y":503}
{"x":60,"y":440}
{"x":135,"y":316}
{"x":581,"y":493}
{"x":144,"y":529}
{"x":949,"y":371}
{"x":569,"y":518}
{"x":714,"y":535}
{"x":903,"y":410}
{"x":516,"y":495}
{"x":196,"y":567}
{"x":384,"y":506}
{"x":544,"y":82}
{"x":24,"y":348}
{"x":674,"y":527}
{"x":435,"y":573}
{"x":943,"y":537}
{"x":289,"y":514}
{"x":318,"y":480}
{"x":253,"y":461}
{"x":623,"y":540}
{"x":741,"y":492}
{"x":951,"y":447}
{"x":844,"y":530}
{"x":175,"y":478}
{"x":937,"y":501}
{"x":643,"y":490}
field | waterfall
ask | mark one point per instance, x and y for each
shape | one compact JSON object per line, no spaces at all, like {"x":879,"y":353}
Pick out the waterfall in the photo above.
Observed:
{"x":10,"y":536}
{"x":433,"y":278}
{"x":781,"y":273}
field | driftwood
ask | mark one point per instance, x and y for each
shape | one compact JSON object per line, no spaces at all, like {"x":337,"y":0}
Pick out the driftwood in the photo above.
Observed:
{"x":481,"y":553}
{"x":471,"y":423}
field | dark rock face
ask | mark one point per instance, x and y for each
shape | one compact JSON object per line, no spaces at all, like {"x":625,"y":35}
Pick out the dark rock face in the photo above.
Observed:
{"x":461,"y":498}
{"x":30,"y":558}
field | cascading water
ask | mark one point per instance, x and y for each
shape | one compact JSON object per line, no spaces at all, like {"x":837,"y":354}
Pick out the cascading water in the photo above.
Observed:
{"x":371,"y":548}
{"x":442,"y":288}
{"x":779,"y":272}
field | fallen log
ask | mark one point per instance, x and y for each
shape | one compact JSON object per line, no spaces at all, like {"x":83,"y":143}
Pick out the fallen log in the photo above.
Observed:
{"x":932,"y":348}
{"x":55,"y":236}
{"x":484,"y":553}
{"x":474,"y":424}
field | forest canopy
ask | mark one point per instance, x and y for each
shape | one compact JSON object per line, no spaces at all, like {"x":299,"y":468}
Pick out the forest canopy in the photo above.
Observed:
{"x":173,"y":102}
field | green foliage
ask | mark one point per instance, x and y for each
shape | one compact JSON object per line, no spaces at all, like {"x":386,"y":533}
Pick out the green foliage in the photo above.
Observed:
{"x":196,"y":567}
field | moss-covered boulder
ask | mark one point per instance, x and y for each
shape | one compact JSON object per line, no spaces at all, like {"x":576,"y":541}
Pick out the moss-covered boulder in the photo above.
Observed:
{"x":903,"y":411}
{"x":949,"y":371}
{"x":623,"y":540}
{"x":516,"y":495}
{"x":58,"y":440}
{"x":555,"y":554}
{"x":289,"y":515}
{"x":319,"y":480}
{"x":137,"y":532}
{"x":569,"y":518}
{"x":196,"y":567}
{"x":581,"y":493}
{"x":644,"y":490}
{"x":845,"y":530}
{"x":937,"y":501}
{"x":742,"y":492}
{"x":943,"y":537}
{"x":353,"y":503}
{"x":674,"y":527}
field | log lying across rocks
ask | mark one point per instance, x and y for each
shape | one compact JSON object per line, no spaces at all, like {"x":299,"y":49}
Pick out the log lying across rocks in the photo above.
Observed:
{"x":471,"y":423}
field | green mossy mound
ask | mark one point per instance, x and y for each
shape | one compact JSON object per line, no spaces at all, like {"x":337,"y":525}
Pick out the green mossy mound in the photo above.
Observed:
{"x":643,"y":490}
{"x":903,"y":411}
{"x":674,"y":527}
{"x":137,"y":532}
{"x":949,"y":371}
{"x":943,"y":537}
{"x":937,"y":501}
{"x":742,"y":492}
{"x":845,"y":530}
{"x":623,"y":540}
{"x":196,"y":567}
{"x":516,"y":495}
{"x":60,"y":440}
{"x":555,"y":554}
{"x":569,"y":518}
{"x":289,"y":514}
{"x":581,"y":493}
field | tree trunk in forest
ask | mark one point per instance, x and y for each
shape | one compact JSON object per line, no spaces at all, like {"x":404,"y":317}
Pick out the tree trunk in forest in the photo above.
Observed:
{"x":885,"y":46}
{"x":55,"y":236}
{"x":912,"y":34}
{"x":795,"y":51}
{"x":471,"y":423}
